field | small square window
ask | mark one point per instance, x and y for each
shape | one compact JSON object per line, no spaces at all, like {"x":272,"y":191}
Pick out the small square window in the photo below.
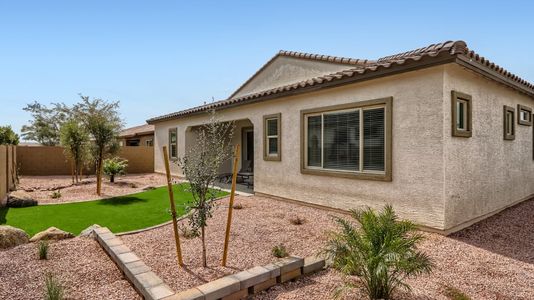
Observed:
{"x":271,"y":141}
{"x":461,"y":114}
{"x":524,"y":115}
{"x":509,"y":123}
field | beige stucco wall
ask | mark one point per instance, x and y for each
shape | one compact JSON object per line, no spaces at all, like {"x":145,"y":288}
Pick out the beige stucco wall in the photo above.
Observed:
{"x":484,"y":173}
{"x":416,"y":190}
{"x":286,"y":70}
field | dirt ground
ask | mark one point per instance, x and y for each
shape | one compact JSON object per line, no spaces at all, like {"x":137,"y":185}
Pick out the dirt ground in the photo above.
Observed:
{"x":41,"y":188}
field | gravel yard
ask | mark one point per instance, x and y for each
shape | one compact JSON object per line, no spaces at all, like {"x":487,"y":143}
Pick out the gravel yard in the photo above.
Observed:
{"x":82,"y":267}
{"x":41,"y":187}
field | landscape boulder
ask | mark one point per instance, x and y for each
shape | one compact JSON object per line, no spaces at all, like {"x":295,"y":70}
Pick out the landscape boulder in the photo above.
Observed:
{"x":51,"y":233}
{"x":20,"y":199}
{"x":90,"y":231}
{"x":11,"y":237}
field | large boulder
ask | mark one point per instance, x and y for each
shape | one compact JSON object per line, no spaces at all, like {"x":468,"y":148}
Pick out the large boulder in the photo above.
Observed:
{"x":90,"y":231}
{"x":20,"y":199}
{"x":11,"y":237}
{"x":51,"y":233}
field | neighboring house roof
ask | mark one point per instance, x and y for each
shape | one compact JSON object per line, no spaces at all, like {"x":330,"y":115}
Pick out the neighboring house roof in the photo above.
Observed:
{"x":137,"y":131}
{"x":435,"y":54}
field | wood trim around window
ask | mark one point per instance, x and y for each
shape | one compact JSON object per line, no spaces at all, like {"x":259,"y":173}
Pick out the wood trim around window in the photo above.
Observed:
{"x":455,"y":96}
{"x":384,"y":176}
{"x":506,"y":136}
{"x":527,"y":109}
{"x":278,"y":156}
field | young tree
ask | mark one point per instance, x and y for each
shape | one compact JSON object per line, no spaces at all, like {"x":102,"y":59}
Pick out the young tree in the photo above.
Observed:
{"x":46,"y":123}
{"x":103,"y":123}
{"x":200,"y":166}
{"x":75,"y":139}
{"x":115,"y":166}
{"x":8,"y":136}
{"x":382,"y":251}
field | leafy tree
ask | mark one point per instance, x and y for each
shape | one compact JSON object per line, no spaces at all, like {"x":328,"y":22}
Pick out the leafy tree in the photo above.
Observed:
{"x":46,"y":123}
{"x":200,"y":166}
{"x":75,"y":139}
{"x":8,"y":136}
{"x":115,"y":166}
{"x":103,"y":123}
{"x":382,"y":251}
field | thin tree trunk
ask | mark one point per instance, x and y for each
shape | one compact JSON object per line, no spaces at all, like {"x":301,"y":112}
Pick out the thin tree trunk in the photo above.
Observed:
{"x":99,"y":174}
{"x":204,"y":260}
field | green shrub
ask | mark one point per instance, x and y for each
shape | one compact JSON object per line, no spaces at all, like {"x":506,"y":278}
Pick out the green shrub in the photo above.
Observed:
{"x":43,"y":250}
{"x":297,"y":220}
{"x":115,"y":166}
{"x":56,"y":194}
{"x":279,"y":251}
{"x":54,"y":289}
{"x":455,"y":294}
{"x":382,"y":251}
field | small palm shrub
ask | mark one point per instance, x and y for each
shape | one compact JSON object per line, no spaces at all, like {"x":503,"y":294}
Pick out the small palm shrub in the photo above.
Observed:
{"x":115,"y":166}
{"x":279,"y":251}
{"x":382,"y":251}
{"x":43,"y":250}
{"x":56,"y":194}
{"x":297,"y":220}
{"x":54,"y":289}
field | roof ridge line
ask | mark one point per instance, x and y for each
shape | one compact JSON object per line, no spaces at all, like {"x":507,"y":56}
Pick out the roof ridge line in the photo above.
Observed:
{"x":323,"y":57}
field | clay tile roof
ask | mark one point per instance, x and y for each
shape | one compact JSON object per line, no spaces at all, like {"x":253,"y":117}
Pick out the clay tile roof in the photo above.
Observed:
{"x":446,"y":52}
{"x":137,"y":130}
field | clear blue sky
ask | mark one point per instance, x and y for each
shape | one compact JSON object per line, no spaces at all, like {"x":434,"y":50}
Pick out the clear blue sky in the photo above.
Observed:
{"x":158,"y":57}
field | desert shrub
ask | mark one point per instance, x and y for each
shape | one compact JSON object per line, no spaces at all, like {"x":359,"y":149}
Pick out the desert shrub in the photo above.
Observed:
{"x":43,"y":250}
{"x":296,"y":220}
{"x":56,"y":194}
{"x":238,"y":206}
{"x":54,"y":289}
{"x":382,"y":251}
{"x":115,"y":166}
{"x":279,"y":251}
{"x":187,"y":232}
{"x":454,"y":293}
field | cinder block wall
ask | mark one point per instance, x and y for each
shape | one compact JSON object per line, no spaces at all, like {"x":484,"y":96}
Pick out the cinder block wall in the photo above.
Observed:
{"x":45,"y":160}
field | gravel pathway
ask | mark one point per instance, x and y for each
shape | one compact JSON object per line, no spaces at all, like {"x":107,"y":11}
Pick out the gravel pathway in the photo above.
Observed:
{"x":81,"y":266}
{"x":85,"y":190}
{"x":256,"y":229}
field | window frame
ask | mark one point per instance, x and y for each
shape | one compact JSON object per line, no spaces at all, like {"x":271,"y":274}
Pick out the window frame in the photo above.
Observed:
{"x":278,"y":136}
{"x":149,"y":142}
{"x":175,"y":131}
{"x":386,"y":175}
{"x":455,"y":98}
{"x":529,"y":114}
{"x":506,"y":136}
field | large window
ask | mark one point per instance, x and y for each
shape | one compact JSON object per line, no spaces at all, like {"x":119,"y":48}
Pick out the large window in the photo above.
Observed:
{"x":509,"y":123}
{"x":352,"y":140}
{"x":272,"y":139}
{"x":173,"y":143}
{"x":461,"y":114}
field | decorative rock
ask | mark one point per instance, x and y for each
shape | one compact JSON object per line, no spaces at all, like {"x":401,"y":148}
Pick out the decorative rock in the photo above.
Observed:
{"x":52,"y":233}
{"x":20,"y":199}
{"x":90,"y":231}
{"x":11,"y":237}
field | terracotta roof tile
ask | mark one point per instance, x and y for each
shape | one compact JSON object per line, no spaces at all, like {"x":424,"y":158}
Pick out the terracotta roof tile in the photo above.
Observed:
{"x":442,"y":52}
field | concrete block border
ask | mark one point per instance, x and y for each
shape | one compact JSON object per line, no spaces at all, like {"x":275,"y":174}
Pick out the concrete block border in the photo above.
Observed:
{"x":252,"y":281}
{"x":146,"y":282}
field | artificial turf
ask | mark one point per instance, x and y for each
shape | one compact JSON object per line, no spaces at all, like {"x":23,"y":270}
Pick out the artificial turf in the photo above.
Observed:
{"x":119,"y":214}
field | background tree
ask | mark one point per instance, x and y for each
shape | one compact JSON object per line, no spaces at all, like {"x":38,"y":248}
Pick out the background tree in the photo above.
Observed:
{"x":115,"y":166}
{"x":75,"y":139}
{"x":200,"y":166}
{"x":382,"y":251}
{"x":8,"y":136}
{"x":103,"y":123}
{"x":46,"y":123}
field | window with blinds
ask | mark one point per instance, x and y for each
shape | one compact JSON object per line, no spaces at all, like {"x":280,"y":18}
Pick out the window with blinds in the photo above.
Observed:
{"x":351,"y":140}
{"x":272,"y":143}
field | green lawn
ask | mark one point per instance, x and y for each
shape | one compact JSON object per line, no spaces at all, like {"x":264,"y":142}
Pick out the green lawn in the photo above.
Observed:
{"x":119,"y":214}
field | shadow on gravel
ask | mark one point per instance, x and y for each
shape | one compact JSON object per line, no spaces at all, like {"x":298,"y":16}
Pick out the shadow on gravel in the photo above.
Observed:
{"x":509,"y":233}
{"x":125,"y":200}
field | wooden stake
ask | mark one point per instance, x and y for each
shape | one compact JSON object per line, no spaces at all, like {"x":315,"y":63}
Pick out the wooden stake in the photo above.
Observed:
{"x":231,"y":206}
{"x":173,"y":208}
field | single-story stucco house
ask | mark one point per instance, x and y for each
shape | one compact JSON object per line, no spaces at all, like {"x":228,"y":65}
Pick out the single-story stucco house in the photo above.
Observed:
{"x":440,"y":132}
